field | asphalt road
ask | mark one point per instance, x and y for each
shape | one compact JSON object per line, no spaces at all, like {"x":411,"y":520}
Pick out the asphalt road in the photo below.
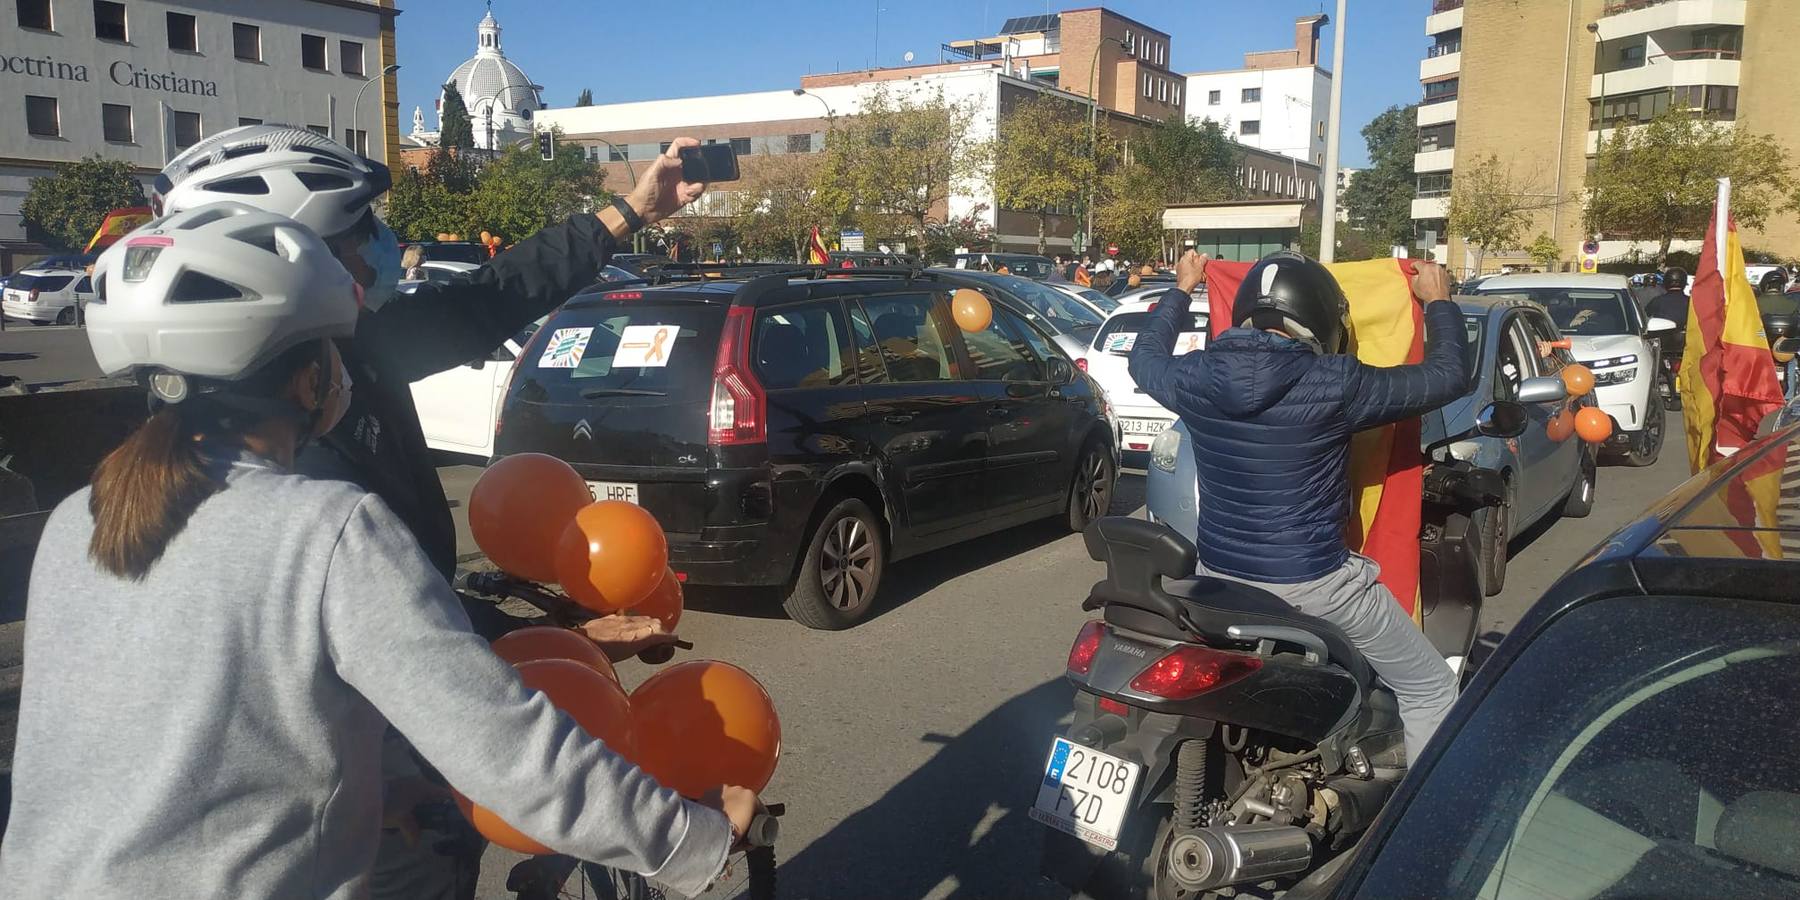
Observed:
{"x":910,"y":743}
{"x":44,"y":354}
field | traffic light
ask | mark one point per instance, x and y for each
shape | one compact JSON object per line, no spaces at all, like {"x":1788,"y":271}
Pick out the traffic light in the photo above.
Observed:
{"x":546,"y":145}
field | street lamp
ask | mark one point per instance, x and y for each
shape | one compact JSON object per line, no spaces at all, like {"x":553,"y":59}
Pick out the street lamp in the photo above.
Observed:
{"x":357,"y":106}
{"x":829,"y":114}
{"x":1093,"y":120}
{"x":1328,"y":178}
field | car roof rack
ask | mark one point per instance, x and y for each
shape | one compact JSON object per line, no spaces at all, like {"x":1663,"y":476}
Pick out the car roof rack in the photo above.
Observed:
{"x":673,"y":273}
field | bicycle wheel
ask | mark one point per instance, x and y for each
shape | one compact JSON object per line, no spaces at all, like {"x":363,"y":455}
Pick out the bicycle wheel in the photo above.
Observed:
{"x":748,"y":876}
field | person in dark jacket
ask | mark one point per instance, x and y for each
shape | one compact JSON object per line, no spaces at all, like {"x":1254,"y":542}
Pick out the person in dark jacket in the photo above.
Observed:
{"x":1272,"y":405}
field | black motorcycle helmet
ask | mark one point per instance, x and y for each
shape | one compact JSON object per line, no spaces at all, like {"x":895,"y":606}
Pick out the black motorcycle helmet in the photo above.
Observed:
{"x":1675,"y":278}
{"x":1293,"y":293}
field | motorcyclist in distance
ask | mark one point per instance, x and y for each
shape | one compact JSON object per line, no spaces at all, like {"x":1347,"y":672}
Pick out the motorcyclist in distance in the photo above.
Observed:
{"x":1272,"y":405}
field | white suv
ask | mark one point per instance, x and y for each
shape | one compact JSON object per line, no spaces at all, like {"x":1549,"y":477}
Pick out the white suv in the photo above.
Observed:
{"x":1608,"y":333}
{"x":45,"y":295}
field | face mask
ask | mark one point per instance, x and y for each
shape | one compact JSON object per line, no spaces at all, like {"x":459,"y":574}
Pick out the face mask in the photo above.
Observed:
{"x":381,"y":253}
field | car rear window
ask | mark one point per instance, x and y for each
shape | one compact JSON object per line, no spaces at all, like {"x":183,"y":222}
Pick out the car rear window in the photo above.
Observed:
{"x":28,"y":282}
{"x":660,"y":350}
{"x":467,"y":253}
{"x":1120,"y":332}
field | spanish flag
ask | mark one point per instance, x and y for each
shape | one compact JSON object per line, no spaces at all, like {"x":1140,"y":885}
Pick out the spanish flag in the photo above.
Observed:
{"x":117,"y":224}
{"x":816,"y":254}
{"x":1728,"y":382}
{"x":1386,"y":469}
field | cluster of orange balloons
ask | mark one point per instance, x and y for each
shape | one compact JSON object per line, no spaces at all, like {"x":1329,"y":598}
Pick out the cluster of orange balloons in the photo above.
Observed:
{"x":971,"y":309}
{"x":1593,"y":425}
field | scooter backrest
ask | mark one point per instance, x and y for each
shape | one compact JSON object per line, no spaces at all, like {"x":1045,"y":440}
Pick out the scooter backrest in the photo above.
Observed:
{"x":1139,"y":554}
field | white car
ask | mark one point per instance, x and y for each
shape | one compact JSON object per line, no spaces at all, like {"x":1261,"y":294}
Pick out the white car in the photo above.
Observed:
{"x":459,"y":408}
{"x":43,"y":296}
{"x":1608,"y":334}
{"x":1101,"y":304}
{"x":1140,"y":419}
{"x":1766,"y":279}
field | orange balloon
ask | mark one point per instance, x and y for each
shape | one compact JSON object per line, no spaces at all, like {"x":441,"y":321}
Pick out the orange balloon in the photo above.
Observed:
{"x":546,"y":642}
{"x":703,"y":724}
{"x":664,"y":601}
{"x":1579,"y":379}
{"x":595,"y":702}
{"x":971,"y":310}
{"x":443,"y":235}
{"x":1560,"y":426}
{"x":520,"y":507}
{"x":486,"y":236}
{"x":1593,"y":425}
{"x":611,"y":555}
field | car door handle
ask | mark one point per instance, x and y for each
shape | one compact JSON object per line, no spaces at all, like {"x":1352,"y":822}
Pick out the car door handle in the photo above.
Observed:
{"x":897,"y":418}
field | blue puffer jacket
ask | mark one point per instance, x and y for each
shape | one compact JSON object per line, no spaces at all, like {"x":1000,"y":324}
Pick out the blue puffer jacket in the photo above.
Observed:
{"x":1271,"y":423}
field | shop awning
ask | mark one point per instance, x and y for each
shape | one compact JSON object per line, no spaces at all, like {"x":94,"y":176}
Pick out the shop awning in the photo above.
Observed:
{"x":1215,"y":216}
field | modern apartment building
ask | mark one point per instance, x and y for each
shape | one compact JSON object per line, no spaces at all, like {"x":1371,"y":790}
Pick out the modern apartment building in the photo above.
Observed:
{"x":1279,"y":101}
{"x":1539,"y":83}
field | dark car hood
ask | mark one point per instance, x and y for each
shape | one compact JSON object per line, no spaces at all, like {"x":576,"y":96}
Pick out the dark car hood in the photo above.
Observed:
{"x":1250,"y":371}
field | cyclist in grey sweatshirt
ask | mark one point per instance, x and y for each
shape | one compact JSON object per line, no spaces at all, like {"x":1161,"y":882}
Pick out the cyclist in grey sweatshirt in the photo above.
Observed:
{"x":214,"y":646}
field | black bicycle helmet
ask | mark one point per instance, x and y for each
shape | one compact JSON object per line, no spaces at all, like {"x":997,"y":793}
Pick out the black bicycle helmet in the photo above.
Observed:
{"x":1293,"y":293}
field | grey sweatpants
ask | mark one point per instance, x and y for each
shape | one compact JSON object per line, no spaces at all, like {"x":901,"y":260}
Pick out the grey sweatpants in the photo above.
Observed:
{"x":1352,"y":599}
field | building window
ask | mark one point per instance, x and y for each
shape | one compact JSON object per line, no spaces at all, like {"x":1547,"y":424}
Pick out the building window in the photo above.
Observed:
{"x":1321,"y":131}
{"x":1437,"y":137}
{"x":357,"y":139}
{"x":186,"y":128}
{"x":35,"y":14}
{"x":1631,"y":57}
{"x":1149,"y":86}
{"x":740,"y":146}
{"x":1212,"y":98}
{"x":109,"y":20}
{"x":662,"y":149}
{"x":350,"y":57}
{"x":41,"y":116}
{"x":1441,"y":91}
{"x":799,"y":143}
{"x":246,"y":42}
{"x":245,"y":120}
{"x":1252,"y":95}
{"x":184,"y":34}
{"x":1434,"y":185}
{"x":312,"y":52}
{"x":1250,"y":126}
{"x":616,"y":153}
{"x":1177,"y":95}
{"x":1162,"y":89}
{"x":1130,"y":42}
{"x":115,"y":122}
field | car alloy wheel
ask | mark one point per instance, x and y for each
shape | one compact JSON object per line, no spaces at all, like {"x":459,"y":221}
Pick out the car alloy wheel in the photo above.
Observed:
{"x":1096,"y":493}
{"x":847,"y":564}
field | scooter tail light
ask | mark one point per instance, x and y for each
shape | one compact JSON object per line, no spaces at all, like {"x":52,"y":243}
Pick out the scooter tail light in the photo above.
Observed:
{"x":1109,"y":705}
{"x":1087,"y":643}
{"x":1189,"y":671}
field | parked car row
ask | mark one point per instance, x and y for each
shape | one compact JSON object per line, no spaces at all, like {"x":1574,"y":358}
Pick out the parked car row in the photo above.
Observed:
{"x":46,"y":294}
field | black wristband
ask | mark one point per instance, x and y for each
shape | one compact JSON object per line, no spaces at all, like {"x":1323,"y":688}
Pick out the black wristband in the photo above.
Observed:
{"x":633,"y":221}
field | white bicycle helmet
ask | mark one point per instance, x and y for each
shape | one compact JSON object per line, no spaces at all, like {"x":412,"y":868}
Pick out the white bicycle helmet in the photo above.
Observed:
{"x":215,"y":292}
{"x":305,"y":176}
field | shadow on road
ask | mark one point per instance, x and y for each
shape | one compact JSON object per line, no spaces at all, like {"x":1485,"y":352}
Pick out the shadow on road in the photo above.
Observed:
{"x":17,"y":357}
{"x":951,"y":819}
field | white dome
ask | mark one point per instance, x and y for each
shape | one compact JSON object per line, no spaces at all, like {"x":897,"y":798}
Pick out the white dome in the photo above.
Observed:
{"x":489,"y":81}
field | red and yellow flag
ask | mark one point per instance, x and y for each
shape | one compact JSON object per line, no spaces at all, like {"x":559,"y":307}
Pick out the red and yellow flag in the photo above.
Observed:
{"x":1386,"y":469}
{"x":117,"y":224}
{"x":1082,"y":277}
{"x":1728,"y":382}
{"x":816,"y":254}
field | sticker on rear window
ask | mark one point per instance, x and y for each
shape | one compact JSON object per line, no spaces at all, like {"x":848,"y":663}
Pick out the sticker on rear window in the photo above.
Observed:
{"x":1189,"y":341}
{"x":565,"y":348}
{"x":645,"y":345}
{"x":1121,"y":341}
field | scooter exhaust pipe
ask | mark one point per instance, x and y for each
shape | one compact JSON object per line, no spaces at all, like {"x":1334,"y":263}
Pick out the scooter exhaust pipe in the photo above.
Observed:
{"x":1224,"y":855}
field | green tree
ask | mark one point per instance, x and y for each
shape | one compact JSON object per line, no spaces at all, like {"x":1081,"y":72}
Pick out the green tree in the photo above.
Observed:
{"x":586,"y":98}
{"x":901,"y":157}
{"x":1041,"y":159}
{"x":1174,"y":162}
{"x":1659,"y":181}
{"x":1491,"y":208}
{"x":419,"y":206}
{"x":942,"y":239}
{"x":1379,"y":199}
{"x":64,"y":209}
{"x":456,"y":131}
{"x":782,"y":203}
{"x":1545,"y":251}
{"x":519,"y":192}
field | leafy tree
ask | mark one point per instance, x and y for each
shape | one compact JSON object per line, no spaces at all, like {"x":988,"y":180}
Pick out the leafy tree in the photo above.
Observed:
{"x":1659,"y":181}
{"x":901,"y":156}
{"x":1379,"y":199}
{"x":420,"y":206}
{"x":519,"y":192}
{"x":456,"y":130}
{"x":782,"y":203}
{"x":1041,"y":159}
{"x":943,"y":238}
{"x":586,"y":97}
{"x":64,"y":209}
{"x":1545,"y":251}
{"x":1491,"y":208}
{"x":1174,"y":162}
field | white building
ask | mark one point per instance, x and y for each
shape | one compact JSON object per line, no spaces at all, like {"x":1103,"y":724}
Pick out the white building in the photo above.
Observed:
{"x":1345,"y":177}
{"x":500,"y":98}
{"x":1440,"y":73}
{"x":1279,"y":102}
{"x":141,"y":81}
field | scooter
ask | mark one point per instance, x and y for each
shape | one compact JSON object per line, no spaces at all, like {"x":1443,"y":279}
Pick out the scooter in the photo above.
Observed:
{"x":1223,"y":739}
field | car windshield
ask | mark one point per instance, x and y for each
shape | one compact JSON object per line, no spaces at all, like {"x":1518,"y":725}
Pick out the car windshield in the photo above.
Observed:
{"x":1065,"y":313}
{"x":1106,"y":304}
{"x":29,"y":282}
{"x":468,"y":253}
{"x":1579,"y":311}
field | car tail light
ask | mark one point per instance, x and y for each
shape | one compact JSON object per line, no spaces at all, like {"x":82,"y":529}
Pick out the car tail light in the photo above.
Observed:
{"x":739,"y":405}
{"x":1081,"y":363}
{"x":1189,"y":671}
{"x":1087,"y":643}
{"x":34,"y":296}
{"x":624,"y":295}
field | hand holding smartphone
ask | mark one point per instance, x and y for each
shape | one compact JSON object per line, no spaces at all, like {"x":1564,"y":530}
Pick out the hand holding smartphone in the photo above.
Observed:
{"x":709,"y":163}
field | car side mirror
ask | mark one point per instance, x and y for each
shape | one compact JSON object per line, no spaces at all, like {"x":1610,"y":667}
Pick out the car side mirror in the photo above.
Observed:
{"x":1060,"y":370}
{"x":1658,"y":325}
{"x":1502,"y":419}
{"x":1543,"y":389}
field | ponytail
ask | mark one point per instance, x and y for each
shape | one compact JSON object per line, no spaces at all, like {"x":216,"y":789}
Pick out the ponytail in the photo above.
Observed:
{"x":146,"y":490}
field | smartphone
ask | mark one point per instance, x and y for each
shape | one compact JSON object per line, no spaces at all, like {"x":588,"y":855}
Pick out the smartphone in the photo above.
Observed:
{"x":709,"y":163}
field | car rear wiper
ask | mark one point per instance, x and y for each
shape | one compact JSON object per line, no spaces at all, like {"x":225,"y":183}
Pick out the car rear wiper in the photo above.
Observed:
{"x":596,"y":393}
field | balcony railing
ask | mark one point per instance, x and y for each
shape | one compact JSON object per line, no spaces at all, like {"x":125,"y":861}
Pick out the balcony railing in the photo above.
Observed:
{"x":1614,"y":7}
{"x":1439,"y":6}
{"x":1444,"y":49}
{"x":1441,"y":98}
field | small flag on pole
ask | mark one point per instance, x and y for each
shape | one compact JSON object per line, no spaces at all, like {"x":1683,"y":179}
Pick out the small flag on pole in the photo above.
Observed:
{"x":117,"y":224}
{"x":816,"y":254}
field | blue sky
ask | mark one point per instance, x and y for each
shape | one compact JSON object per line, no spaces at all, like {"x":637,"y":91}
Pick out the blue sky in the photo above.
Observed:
{"x":633,"y":52}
